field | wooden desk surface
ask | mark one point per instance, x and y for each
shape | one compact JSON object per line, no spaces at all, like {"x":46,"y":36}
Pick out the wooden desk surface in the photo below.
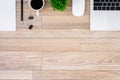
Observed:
{"x":59,"y":47}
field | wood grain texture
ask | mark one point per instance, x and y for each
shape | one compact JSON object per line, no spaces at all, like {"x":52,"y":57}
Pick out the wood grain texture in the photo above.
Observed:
{"x":59,"y":47}
{"x":100,"y":44}
{"x":78,"y":75}
{"x":60,"y":33}
{"x":20,"y":60}
{"x":81,"y":61}
{"x":11,"y":75}
{"x":40,"y":44}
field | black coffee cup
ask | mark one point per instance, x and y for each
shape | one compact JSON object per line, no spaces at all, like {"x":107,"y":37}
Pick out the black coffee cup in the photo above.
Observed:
{"x":36,"y":5}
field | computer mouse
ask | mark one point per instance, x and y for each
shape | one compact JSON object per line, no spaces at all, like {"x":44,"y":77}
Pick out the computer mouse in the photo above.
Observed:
{"x":78,"y":7}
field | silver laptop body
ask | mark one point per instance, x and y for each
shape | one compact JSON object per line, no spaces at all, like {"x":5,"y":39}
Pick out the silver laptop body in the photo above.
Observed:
{"x":105,"y":15}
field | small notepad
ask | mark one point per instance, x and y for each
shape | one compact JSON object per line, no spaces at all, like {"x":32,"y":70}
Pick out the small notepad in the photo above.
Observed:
{"x":8,"y":15}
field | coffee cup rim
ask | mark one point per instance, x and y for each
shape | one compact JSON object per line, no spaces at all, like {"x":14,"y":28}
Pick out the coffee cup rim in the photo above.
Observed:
{"x":33,"y":8}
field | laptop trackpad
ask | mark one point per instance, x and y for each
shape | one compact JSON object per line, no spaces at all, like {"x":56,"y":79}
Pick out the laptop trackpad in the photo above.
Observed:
{"x":114,"y":18}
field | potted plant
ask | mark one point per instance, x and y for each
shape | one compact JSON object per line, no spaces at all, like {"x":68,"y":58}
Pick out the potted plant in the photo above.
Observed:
{"x":59,"y":4}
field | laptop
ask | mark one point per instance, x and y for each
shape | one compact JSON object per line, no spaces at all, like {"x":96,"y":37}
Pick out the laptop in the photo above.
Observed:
{"x":105,"y":15}
{"x":8,"y":15}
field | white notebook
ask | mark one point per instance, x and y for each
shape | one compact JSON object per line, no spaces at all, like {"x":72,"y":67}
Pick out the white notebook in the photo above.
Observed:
{"x":8,"y":15}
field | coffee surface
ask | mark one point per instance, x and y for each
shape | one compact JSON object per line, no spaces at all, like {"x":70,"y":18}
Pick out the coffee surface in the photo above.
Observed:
{"x":36,"y":4}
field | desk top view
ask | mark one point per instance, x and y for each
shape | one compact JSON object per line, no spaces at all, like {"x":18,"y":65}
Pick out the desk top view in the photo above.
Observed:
{"x":59,"y":47}
{"x":50,"y":19}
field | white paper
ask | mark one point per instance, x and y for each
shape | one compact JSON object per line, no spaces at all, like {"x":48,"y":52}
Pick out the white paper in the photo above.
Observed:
{"x":8,"y":15}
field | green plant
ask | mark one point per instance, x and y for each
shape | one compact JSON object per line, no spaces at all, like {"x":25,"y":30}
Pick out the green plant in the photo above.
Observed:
{"x":59,"y":4}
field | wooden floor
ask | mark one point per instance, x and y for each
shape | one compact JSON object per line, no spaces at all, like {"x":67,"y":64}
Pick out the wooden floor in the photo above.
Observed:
{"x":59,"y":47}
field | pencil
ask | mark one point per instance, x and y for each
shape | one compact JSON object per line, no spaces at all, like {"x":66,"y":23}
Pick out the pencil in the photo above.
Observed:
{"x":22,"y":10}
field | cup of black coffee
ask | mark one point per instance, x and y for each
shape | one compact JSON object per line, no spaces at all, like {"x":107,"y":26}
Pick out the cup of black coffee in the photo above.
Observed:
{"x":36,"y":5}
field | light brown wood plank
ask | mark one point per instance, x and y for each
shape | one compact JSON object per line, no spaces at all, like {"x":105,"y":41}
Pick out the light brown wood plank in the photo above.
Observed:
{"x":12,"y":75}
{"x":81,"y":61}
{"x":40,"y":44}
{"x":59,"y":33}
{"x":100,"y":44}
{"x":37,"y":75}
{"x":64,"y":22}
{"x":79,"y":75}
{"x":17,"y":79}
{"x":18,"y":60}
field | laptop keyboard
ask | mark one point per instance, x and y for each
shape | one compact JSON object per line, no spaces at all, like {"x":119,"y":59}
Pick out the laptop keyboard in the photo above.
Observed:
{"x":106,"y":5}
